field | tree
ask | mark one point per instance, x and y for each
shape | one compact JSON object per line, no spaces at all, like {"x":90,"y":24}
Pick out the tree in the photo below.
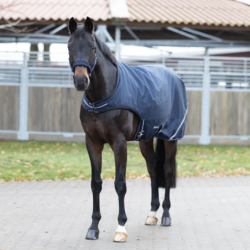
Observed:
{"x":12,"y":26}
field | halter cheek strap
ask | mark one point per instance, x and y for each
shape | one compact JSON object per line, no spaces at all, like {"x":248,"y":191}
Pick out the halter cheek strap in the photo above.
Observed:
{"x":85,"y":64}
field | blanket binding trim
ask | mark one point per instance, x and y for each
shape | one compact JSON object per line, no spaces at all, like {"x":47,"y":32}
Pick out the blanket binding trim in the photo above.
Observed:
{"x":180,"y":124}
{"x":93,"y":106}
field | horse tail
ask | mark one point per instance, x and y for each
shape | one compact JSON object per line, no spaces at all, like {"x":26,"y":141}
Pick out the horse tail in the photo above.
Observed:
{"x":160,"y":160}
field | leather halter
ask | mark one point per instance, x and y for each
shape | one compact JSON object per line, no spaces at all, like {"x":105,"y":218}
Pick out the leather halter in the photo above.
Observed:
{"x":84,"y":63}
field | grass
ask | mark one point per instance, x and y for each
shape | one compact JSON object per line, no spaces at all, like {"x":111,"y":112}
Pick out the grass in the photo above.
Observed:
{"x":27,"y":161}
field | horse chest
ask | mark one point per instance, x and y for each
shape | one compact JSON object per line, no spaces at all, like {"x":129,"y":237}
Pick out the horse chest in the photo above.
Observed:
{"x":110,"y":124}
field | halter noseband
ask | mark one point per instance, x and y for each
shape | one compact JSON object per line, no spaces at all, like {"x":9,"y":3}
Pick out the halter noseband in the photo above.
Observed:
{"x":84,"y":63}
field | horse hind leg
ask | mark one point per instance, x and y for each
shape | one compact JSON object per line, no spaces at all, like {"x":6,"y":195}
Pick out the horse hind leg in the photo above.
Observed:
{"x":147,"y":150}
{"x":170,"y":179}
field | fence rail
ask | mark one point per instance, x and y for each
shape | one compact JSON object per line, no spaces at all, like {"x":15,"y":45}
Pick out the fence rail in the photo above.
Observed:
{"x":37,"y":95}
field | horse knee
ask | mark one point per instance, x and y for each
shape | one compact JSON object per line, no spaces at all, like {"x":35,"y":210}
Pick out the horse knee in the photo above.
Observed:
{"x":120,"y":187}
{"x":96,"y":186}
{"x":122,"y":219}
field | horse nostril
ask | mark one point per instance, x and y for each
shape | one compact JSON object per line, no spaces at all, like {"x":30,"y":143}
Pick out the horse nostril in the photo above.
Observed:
{"x":81,"y":80}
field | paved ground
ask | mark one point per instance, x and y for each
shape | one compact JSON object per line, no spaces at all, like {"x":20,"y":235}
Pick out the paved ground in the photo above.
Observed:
{"x":207,"y":213}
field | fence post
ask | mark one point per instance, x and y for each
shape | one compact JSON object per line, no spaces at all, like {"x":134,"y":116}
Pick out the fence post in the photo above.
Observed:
{"x":205,"y":116}
{"x":23,"y":107}
{"x":117,"y":41}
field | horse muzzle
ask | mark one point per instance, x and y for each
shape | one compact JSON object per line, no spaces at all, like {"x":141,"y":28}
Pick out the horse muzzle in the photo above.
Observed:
{"x":81,"y":82}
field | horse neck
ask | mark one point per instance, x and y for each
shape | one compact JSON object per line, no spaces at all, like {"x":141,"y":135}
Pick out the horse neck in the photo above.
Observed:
{"x":103,"y":79}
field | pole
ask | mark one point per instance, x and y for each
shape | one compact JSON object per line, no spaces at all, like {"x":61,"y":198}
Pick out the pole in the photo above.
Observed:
{"x":117,"y":41}
{"x":23,"y":107}
{"x":205,"y":117}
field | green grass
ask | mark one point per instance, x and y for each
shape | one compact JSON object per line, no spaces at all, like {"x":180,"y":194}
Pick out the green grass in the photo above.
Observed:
{"x":26,"y":161}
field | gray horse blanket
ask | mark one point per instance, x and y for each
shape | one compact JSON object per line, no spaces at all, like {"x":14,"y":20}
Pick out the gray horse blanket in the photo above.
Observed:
{"x":155,"y":93}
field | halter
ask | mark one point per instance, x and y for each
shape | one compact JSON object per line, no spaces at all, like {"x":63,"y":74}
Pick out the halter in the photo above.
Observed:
{"x":84,"y":63}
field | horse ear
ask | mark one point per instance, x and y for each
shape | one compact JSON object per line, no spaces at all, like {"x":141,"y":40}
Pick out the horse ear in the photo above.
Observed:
{"x":72,"y":25}
{"x":89,"y":26}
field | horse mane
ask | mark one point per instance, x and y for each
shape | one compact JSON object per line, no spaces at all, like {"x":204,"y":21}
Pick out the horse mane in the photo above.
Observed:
{"x":105,"y":50}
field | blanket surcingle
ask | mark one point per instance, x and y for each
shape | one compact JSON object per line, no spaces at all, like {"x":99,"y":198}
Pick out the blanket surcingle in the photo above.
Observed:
{"x":155,"y":93}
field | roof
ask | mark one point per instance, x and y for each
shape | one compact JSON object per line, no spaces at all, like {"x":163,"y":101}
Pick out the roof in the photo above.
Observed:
{"x":193,"y":12}
{"x":221,"y":13}
{"x":56,"y":10}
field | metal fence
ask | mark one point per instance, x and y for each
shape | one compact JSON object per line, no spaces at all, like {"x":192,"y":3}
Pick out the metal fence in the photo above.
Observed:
{"x":222,"y":83}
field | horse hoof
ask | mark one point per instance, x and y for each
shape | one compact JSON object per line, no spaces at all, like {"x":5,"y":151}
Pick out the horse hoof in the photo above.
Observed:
{"x":165,"y":221}
{"x":151,"y":220}
{"x":92,"y":234}
{"x":120,"y":237}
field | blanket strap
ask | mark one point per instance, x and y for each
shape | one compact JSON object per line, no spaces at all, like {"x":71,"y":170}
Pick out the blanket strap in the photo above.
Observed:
{"x":140,"y":131}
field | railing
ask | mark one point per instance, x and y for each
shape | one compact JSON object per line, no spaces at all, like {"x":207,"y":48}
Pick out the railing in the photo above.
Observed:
{"x":205,"y":75}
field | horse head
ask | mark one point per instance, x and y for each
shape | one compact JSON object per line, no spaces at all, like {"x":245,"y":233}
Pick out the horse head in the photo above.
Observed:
{"x":82,"y":52}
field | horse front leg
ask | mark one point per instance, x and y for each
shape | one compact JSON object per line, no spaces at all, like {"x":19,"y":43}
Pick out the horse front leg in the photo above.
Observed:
{"x":95,"y":155}
{"x":120,"y":152}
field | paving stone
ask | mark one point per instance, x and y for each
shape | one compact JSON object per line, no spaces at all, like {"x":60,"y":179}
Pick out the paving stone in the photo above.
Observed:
{"x":207,"y":213}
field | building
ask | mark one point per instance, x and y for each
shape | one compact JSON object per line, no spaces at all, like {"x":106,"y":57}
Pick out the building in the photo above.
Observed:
{"x":211,"y":82}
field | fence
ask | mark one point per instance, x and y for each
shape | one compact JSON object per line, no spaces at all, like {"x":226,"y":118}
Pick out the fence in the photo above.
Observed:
{"x":37,"y":95}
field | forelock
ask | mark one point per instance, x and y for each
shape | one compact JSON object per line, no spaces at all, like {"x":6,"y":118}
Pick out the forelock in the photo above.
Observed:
{"x":80,"y":31}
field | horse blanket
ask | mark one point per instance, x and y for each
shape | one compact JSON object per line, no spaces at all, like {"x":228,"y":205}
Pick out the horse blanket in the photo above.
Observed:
{"x":155,"y":93}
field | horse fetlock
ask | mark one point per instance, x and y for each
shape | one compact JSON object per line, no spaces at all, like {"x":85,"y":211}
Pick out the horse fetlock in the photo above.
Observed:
{"x":166,"y":206}
{"x":122,"y":219}
{"x":96,"y":217}
{"x":155,"y":204}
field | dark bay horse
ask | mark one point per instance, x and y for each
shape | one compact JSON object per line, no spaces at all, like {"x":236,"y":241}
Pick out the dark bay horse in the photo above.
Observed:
{"x":115,"y":127}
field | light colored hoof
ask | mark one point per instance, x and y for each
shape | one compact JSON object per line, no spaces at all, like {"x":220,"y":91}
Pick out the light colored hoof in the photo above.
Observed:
{"x":120,"y":237}
{"x":151,"y":220}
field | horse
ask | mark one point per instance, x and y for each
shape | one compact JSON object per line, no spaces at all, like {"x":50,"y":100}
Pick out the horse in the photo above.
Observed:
{"x":115,"y":127}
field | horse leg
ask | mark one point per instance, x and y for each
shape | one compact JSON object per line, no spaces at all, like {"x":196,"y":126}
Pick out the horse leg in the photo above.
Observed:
{"x":147,"y":150}
{"x":95,"y":155}
{"x":170,"y":178}
{"x":120,"y":152}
